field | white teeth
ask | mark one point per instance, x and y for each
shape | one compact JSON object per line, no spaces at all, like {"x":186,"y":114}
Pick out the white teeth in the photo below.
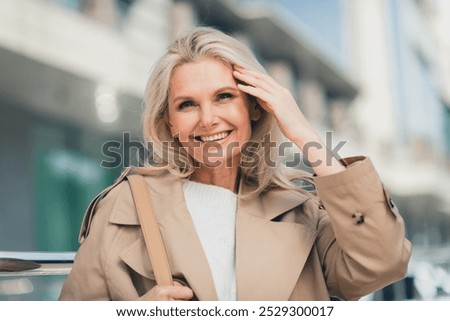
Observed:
{"x":214,"y":137}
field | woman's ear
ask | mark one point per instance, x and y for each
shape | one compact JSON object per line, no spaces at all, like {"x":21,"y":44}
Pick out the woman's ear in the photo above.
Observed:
{"x":255,"y":113}
{"x":169,"y":126}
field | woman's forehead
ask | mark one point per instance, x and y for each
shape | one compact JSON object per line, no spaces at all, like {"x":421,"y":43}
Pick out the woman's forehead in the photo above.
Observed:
{"x":208,"y":73}
{"x":205,"y":66}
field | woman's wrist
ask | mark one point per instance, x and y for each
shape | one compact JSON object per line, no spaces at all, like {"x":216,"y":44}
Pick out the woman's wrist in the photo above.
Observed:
{"x":319,"y":157}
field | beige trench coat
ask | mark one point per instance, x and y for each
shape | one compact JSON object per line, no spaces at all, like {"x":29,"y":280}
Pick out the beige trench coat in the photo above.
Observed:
{"x":288,"y":246}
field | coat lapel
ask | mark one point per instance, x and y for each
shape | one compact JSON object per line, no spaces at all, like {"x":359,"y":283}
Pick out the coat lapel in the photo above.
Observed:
{"x":270,"y":255}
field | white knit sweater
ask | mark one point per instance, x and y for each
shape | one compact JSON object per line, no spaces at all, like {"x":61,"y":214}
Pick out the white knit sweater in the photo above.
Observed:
{"x":213,"y":210}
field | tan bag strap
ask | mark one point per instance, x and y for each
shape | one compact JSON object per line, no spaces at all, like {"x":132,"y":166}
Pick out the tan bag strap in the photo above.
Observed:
{"x":150,"y":229}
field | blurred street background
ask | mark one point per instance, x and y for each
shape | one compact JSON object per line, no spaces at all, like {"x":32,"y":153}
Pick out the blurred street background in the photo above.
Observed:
{"x":375,"y":73}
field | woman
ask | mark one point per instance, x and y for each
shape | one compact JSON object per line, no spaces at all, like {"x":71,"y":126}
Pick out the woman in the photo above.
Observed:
{"x":234,"y":222}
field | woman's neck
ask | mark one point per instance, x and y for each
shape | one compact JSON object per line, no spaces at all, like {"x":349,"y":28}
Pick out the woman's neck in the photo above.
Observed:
{"x":225,"y":177}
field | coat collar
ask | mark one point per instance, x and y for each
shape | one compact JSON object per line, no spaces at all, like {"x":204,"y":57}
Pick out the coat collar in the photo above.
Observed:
{"x":260,"y":242}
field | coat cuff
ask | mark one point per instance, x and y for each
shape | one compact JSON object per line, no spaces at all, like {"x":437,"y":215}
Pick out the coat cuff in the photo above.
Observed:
{"x":357,"y":167}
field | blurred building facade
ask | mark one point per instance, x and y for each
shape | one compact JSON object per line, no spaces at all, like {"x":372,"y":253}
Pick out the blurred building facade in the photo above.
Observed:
{"x":399,"y":55}
{"x":72,"y":78}
{"x":74,"y":71}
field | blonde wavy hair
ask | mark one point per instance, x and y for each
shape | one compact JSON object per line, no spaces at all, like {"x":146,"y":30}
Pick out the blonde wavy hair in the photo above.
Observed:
{"x":167,"y":153}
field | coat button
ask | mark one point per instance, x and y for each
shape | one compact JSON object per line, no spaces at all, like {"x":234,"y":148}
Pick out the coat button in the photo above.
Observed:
{"x":391,"y":202}
{"x":358,"y":218}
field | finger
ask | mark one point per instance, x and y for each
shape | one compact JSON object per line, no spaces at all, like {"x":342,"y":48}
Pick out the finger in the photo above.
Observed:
{"x":181,"y":292}
{"x":256,"y":74}
{"x":262,"y":96}
{"x":256,"y":78}
{"x":254,"y":91}
{"x":251,"y":80}
{"x":168,"y":293}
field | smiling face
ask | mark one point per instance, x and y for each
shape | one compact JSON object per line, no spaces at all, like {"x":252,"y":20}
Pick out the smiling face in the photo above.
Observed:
{"x":208,"y":113}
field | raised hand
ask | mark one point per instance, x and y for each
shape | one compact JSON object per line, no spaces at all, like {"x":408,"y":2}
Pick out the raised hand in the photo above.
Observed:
{"x":279,"y":102}
{"x":276,"y":100}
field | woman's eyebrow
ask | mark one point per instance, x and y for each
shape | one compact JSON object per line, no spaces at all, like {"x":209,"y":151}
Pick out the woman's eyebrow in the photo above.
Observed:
{"x":183,"y":98}
{"x":225,"y":88}
{"x":221,"y":89}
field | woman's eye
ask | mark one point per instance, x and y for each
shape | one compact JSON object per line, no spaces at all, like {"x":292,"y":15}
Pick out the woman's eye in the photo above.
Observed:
{"x":224,"y":96}
{"x":186,"y":104}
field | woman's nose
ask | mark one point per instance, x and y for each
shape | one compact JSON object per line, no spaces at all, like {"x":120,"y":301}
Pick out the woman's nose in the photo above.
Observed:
{"x":208,"y":117}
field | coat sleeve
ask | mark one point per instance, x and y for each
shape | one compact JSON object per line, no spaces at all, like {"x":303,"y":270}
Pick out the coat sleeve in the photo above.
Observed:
{"x":364,"y":248}
{"x":87,"y":279}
